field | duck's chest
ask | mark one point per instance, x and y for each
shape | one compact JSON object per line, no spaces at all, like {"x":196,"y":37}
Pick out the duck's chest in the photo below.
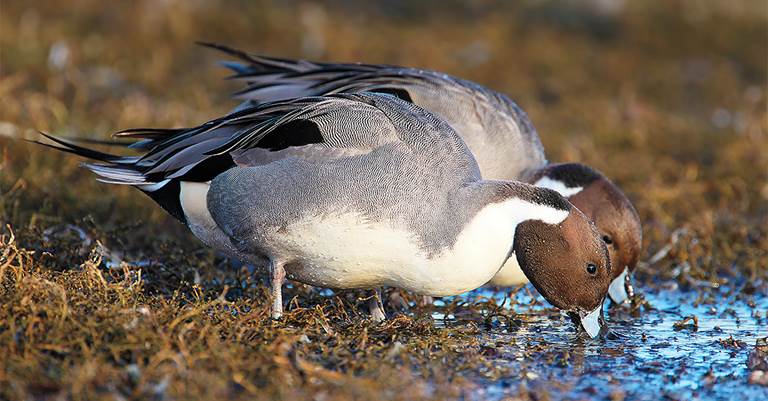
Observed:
{"x":350,"y":251}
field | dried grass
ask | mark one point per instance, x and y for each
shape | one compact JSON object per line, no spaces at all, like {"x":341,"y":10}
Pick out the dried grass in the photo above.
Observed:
{"x":669,"y":99}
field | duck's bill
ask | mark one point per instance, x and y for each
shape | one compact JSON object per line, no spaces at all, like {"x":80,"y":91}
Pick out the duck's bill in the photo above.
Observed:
{"x":621,"y":288}
{"x":592,"y":321}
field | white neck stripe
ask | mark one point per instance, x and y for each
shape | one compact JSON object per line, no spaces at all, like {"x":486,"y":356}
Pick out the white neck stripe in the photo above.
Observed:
{"x":522,"y":210}
{"x":560,"y":187}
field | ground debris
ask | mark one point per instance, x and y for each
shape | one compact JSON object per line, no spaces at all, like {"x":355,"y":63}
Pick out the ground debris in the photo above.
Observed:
{"x":731,"y":342}
{"x":688,"y":322}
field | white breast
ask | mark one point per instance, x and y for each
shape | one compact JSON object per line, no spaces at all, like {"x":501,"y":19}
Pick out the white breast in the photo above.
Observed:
{"x":346,"y":251}
{"x":510,"y":274}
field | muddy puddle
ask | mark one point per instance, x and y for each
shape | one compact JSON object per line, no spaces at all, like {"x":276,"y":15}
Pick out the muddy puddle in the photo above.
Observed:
{"x":650,"y":353}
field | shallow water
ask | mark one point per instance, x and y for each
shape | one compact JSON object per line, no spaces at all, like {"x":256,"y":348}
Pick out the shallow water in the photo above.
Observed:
{"x":642,"y":357}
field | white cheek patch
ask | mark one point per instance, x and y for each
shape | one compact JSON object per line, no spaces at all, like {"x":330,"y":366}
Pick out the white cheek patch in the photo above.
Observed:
{"x":555,"y":185}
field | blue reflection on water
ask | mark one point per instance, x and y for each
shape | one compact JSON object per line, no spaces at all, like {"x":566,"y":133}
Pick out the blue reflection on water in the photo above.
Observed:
{"x":643,"y":357}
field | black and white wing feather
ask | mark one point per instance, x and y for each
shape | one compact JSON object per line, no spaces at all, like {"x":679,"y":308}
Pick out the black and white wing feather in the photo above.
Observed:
{"x":313,"y":128}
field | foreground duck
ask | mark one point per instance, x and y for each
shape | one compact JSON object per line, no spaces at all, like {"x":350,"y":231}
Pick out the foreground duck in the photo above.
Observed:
{"x":499,"y":134}
{"x":362,"y":191}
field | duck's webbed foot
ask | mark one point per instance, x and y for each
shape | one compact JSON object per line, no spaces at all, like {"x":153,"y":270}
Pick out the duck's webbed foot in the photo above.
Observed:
{"x":375,"y":306}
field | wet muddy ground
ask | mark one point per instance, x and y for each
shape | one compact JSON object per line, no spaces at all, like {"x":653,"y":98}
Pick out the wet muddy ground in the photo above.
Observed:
{"x":650,"y":352}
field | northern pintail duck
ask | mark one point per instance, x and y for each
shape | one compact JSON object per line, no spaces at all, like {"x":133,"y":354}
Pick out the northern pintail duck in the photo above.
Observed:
{"x":361,"y":191}
{"x":497,"y":131}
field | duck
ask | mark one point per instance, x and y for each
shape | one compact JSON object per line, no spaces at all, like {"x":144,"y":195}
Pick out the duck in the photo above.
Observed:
{"x":360,"y":191}
{"x":496,"y":130}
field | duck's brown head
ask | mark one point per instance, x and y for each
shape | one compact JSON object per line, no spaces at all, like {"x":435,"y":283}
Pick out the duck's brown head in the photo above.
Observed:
{"x":567,"y":262}
{"x":610,"y":210}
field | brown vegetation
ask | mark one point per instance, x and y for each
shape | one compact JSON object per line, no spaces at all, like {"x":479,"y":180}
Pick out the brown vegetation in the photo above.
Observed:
{"x":103,"y":296}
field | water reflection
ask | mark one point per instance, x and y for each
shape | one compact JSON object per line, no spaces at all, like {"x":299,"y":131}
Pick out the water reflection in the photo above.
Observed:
{"x":646,"y":355}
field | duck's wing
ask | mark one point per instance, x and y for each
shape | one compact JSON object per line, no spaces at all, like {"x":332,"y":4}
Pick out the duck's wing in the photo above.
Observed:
{"x":315,"y":128}
{"x":490,"y":122}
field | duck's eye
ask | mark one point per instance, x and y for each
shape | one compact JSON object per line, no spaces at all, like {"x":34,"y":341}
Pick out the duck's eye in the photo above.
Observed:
{"x":607,"y":239}
{"x":591,"y":268}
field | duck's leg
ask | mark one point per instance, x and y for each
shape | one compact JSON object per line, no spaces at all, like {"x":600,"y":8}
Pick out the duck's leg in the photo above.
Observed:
{"x":425,"y":300}
{"x":276,"y":278}
{"x":375,"y":306}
